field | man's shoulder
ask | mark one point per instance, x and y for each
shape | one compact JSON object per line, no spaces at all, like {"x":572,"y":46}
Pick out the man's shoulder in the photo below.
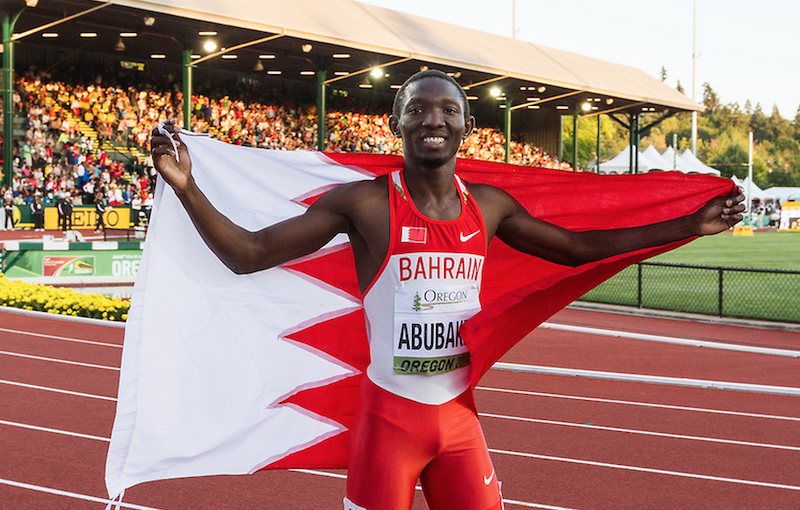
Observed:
{"x":365,"y":188}
{"x":358,"y":196}
{"x":492,"y":200}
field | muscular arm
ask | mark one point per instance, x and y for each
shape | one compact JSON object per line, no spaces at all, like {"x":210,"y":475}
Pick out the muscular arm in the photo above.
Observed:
{"x":241,"y":250}
{"x":509,"y":221}
{"x":244,"y":251}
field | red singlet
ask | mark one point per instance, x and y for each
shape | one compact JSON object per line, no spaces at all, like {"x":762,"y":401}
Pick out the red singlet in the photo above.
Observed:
{"x":416,"y":419}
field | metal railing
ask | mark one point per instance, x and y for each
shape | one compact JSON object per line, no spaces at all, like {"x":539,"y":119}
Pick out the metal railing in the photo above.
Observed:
{"x":764,"y":294}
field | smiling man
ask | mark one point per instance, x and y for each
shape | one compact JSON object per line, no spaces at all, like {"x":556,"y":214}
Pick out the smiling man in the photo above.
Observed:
{"x":419,"y":238}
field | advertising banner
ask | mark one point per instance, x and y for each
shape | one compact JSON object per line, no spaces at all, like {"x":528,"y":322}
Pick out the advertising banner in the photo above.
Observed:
{"x":78,"y":263}
{"x":84,"y":216}
{"x":790,"y":217}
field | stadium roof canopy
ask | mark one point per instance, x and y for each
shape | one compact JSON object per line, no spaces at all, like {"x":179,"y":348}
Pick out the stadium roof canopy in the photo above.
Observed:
{"x":313,"y":35}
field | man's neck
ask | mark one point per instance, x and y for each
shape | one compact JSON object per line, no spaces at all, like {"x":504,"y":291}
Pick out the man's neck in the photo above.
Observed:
{"x":433,"y":191}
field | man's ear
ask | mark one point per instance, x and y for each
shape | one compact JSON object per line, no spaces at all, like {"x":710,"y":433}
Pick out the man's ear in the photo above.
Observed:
{"x":393,"y":125}
{"x":469,"y":125}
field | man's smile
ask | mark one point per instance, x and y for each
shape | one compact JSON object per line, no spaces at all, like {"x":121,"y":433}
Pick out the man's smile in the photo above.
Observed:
{"x":433,"y":140}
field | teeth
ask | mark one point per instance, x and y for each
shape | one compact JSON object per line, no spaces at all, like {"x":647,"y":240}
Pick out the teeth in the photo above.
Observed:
{"x":433,"y":139}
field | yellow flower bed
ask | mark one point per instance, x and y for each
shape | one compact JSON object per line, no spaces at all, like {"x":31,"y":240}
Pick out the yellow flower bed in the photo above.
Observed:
{"x":62,"y":301}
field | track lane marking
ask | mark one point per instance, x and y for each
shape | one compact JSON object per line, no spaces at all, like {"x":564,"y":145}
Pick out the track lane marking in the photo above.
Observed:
{"x":505,"y":452}
{"x":419,"y":488}
{"x":641,"y":432}
{"x":63,"y":338}
{"x":650,"y":379}
{"x":57,"y":390}
{"x":640,"y":404}
{"x":792,"y":353}
{"x":74,"y":495}
{"x":56,"y":360}
{"x":646,"y":470}
{"x":53,"y":431}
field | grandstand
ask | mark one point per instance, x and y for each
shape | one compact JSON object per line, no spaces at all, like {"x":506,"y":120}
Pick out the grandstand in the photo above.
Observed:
{"x":322,"y":55}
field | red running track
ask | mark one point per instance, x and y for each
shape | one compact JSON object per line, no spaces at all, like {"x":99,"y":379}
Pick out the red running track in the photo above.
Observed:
{"x":558,"y":442}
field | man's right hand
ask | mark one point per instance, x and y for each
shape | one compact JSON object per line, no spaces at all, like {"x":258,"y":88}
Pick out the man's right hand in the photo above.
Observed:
{"x":178,"y":174}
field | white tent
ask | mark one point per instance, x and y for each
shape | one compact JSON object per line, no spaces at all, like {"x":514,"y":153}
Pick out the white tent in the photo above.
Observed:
{"x":620,"y":164}
{"x":694,"y":165}
{"x":751,"y":190}
{"x":675,"y":162}
{"x":672,"y":158}
{"x":784,"y":193}
{"x":656,"y":157}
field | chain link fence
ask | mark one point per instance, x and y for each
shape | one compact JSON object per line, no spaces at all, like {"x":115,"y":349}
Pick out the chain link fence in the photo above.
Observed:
{"x":763,"y":294}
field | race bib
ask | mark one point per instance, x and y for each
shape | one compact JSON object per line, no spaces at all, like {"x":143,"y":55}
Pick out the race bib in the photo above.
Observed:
{"x":426,"y":327}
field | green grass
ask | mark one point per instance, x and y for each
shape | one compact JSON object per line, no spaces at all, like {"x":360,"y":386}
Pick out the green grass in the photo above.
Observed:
{"x":754,"y":295}
{"x":764,"y":250}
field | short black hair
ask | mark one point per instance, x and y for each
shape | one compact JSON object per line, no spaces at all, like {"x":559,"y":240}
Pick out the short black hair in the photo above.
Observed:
{"x":428,"y":73}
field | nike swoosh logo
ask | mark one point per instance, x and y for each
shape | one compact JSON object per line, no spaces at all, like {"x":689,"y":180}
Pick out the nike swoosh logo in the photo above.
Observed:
{"x":488,"y":480}
{"x":465,"y":238}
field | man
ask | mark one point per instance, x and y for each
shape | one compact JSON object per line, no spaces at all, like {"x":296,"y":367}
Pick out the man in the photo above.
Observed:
{"x":8,"y":208}
{"x":100,"y":206}
{"x":64,"y":206}
{"x":411,"y":231}
{"x":37,"y":209}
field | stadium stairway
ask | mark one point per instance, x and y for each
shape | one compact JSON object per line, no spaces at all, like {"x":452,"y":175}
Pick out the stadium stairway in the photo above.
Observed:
{"x":115,"y":150}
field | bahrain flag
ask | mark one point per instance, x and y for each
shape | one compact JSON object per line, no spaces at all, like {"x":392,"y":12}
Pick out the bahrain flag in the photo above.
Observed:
{"x":229,"y":374}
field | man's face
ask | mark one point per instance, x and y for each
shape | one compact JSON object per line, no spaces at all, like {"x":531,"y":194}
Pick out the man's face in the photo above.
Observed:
{"x":431,"y":122}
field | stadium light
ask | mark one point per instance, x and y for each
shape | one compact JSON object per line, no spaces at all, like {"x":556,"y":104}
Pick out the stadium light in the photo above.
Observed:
{"x":209,"y":46}
{"x":495,"y":92}
{"x":377,"y":72}
{"x":586,"y":107}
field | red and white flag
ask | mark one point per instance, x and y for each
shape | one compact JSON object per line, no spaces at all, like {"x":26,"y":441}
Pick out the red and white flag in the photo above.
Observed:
{"x":229,"y":374}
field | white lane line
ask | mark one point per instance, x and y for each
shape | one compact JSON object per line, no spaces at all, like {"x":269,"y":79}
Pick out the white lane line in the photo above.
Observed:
{"x":535,"y":505}
{"x":55,"y":360}
{"x":64,"y":338}
{"x":641,"y":432}
{"x":58,"y":492}
{"x":505,"y":501}
{"x":54,"y":431}
{"x":56,"y":390}
{"x":793,"y":353}
{"x":640,"y":404}
{"x":506,"y":452}
{"x":647,"y":470}
{"x":650,"y":379}
{"x":340,"y":476}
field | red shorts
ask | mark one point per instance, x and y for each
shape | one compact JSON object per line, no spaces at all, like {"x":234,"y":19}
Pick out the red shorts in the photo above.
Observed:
{"x":395,"y":441}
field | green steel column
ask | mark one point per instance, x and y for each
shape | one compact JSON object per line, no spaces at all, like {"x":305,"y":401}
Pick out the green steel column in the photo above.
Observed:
{"x":631,"y":143}
{"x":8,"y":106}
{"x":575,"y":140}
{"x":321,"y":112}
{"x":187,"y":89}
{"x":507,"y":129}
{"x":599,"y":125}
{"x":636,"y":143}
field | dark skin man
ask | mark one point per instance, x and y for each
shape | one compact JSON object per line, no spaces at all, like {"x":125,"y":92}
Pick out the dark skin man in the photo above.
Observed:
{"x":432,"y":124}
{"x":431,"y":116}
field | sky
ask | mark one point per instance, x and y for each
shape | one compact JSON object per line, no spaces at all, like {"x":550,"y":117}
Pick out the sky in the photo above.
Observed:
{"x":747,"y":50}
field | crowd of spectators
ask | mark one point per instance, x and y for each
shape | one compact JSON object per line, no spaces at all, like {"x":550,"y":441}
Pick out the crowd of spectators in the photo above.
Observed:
{"x":57,"y":160}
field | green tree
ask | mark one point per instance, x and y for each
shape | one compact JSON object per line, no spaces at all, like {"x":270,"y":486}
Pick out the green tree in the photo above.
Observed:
{"x":612,"y":140}
{"x":723,"y":138}
{"x":710,"y":98}
{"x":732,"y":161}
